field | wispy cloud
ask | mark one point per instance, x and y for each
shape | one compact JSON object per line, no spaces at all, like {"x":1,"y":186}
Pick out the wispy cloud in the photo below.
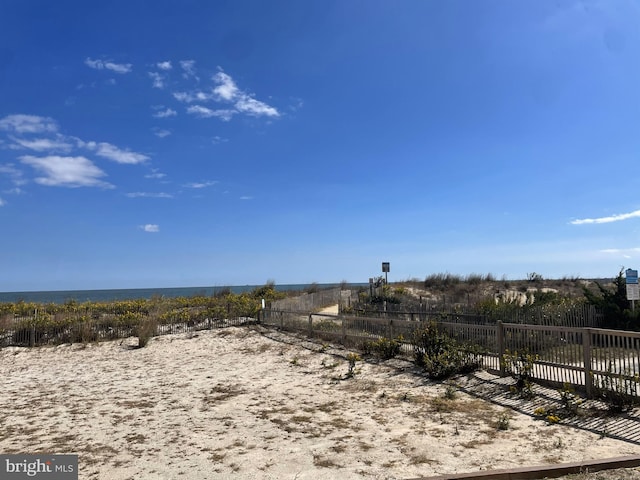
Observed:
{"x":111,"y":152}
{"x":612,"y":218}
{"x":188,"y":68}
{"x":164,"y":113}
{"x":2,"y":202}
{"x":21,"y":123}
{"x":66,"y":171}
{"x":201,"y":184}
{"x":158,"y":132}
{"x":59,"y":144}
{"x":155,"y":174}
{"x":226,"y":91}
{"x":108,"y":65}
{"x":204,"y":112}
{"x":16,"y":176}
{"x":164,"y":65}
{"x":158,"y":79}
{"x":217,"y":139}
{"x":246,"y":197}
{"x":149,"y":195}
{"x":150,"y":228}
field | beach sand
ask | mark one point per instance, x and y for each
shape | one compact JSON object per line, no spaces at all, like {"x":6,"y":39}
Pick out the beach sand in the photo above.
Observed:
{"x":256,"y":403}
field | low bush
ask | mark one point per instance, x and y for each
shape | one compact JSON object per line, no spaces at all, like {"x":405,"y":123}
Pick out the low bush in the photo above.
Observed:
{"x":442,"y":356}
{"x":384,"y":348}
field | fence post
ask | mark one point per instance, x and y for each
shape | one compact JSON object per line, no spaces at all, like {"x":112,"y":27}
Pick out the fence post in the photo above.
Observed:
{"x":500,"y":340}
{"x":586,"y":352}
{"x":390,"y":329}
{"x":281,"y":320}
{"x":344,"y":331}
{"x":310,"y":325}
{"x":32,"y":336}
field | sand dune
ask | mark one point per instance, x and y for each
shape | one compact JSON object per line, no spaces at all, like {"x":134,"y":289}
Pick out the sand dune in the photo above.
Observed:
{"x":254,"y":403}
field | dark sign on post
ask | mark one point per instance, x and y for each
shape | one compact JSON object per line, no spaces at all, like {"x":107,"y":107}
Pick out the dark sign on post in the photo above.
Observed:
{"x":385,"y":270}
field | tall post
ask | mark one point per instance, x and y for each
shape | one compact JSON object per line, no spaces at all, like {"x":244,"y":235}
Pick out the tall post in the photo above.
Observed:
{"x":500,"y":340}
{"x":310,"y":325}
{"x":586,"y":352}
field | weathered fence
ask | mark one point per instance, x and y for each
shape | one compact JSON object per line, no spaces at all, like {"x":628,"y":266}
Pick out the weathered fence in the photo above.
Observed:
{"x":29,"y":334}
{"x":556,"y":315}
{"x":586,"y":358}
{"x":313,"y":301}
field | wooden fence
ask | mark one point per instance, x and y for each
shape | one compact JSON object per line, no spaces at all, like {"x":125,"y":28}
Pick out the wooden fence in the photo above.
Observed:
{"x":586,"y":358}
{"x":24,"y":334}
{"x":556,"y":315}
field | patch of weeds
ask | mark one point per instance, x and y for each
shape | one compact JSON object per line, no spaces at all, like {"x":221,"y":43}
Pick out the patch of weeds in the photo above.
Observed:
{"x":503,"y":421}
{"x":329,"y":365}
{"x":294,"y":360}
{"x":569,"y":406}
{"x":352,"y":359}
{"x":619,"y":391}
{"x":519,"y":365}
{"x":450,"y":392}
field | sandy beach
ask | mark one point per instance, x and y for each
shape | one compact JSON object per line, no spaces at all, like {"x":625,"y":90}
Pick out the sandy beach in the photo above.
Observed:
{"x":256,"y":403}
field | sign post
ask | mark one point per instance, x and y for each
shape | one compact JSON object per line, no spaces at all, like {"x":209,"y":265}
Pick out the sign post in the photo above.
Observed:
{"x":633,"y":291}
{"x":385,"y":270}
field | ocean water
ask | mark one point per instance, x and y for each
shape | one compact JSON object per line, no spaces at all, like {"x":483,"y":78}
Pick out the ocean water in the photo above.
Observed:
{"x":62,"y":296}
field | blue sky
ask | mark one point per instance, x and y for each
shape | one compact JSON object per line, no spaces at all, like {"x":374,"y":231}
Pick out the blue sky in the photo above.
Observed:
{"x":166,"y":143}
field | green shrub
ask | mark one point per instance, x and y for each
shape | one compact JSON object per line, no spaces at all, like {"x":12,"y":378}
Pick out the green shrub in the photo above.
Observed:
{"x":384,"y":348}
{"x":442,"y":356}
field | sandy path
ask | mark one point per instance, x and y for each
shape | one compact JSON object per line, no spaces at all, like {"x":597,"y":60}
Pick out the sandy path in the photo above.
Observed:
{"x":250,"y":403}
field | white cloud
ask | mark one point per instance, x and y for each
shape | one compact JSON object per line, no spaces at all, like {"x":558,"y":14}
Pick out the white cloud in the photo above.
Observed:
{"x":193,"y":97}
{"x":201,"y":184}
{"x":164,"y":65}
{"x":246,"y":197}
{"x":226,"y":89}
{"x":114,"y":67}
{"x":164,"y":113}
{"x":44,"y":144}
{"x":158,"y":79}
{"x":14,"y":191}
{"x":155,"y":174}
{"x":150,"y":228}
{"x":28,"y":124}
{"x":2,"y":202}
{"x":161,"y":133}
{"x":66,"y":171}
{"x":217,"y":139}
{"x":188,"y":67}
{"x":612,"y":218}
{"x":204,"y":112}
{"x":111,"y":152}
{"x":256,"y":108}
{"x":149,"y":195}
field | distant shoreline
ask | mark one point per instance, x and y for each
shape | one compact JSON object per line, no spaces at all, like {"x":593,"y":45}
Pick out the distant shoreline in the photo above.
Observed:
{"x":106,"y":295}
